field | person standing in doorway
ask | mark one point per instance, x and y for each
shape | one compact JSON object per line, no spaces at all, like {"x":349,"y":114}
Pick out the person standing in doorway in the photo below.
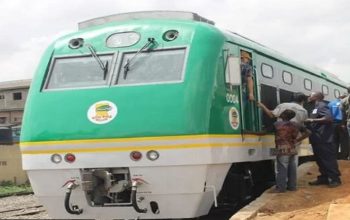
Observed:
{"x":247,"y":93}
{"x":321,"y":139}
{"x":247,"y":76}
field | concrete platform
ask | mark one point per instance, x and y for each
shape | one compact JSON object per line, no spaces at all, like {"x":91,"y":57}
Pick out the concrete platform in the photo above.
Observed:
{"x":251,"y":210}
{"x":339,"y":212}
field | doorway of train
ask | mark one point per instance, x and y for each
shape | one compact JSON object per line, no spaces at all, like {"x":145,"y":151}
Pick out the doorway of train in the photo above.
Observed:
{"x":248,"y":91}
{"x":241,"y":83}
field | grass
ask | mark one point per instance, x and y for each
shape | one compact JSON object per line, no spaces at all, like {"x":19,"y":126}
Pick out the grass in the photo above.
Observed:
{"x":8,"y":188}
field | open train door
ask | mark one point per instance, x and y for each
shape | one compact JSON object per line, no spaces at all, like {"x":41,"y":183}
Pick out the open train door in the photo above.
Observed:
{"x":238,"y":70}
{"x":250,"y":113}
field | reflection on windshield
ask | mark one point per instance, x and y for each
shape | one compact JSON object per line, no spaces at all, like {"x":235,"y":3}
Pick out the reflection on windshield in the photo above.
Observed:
{"x":153,"y":66}
{"x":75,"y":72}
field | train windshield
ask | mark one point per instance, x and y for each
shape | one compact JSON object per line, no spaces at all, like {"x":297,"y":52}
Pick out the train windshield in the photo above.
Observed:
{"x":152,"y":67}
{"x":77,"y":72}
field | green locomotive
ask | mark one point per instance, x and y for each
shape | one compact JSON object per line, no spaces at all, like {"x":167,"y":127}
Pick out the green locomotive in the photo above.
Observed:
{"x":144,"y":114}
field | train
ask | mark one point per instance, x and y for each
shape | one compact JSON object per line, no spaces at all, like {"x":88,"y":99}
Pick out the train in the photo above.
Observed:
{"x":142,"y":115}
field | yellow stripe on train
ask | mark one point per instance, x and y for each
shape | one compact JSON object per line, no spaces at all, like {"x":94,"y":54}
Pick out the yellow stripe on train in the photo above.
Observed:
{"x":137,"y":139}
{"x":143,"y":148}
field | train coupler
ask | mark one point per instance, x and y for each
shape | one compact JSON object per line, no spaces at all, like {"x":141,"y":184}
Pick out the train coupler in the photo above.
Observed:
{"x":134,"y":184}
{"x":74,"y":210}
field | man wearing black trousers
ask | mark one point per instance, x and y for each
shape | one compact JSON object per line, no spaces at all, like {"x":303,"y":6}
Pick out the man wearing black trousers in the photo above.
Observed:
{"x":320,"y":124}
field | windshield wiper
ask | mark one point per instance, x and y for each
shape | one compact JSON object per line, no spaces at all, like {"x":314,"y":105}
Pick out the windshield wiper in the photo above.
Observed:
{"x":105,"y":71}
{"x":127,"y":65}
{"x":104,"y":67}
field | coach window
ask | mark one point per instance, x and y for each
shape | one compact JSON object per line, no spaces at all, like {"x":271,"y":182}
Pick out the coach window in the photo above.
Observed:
{"x":287,"y":77}
{"x":2,"y":120}
{"x":307,"y":84}
{"x":269,"y":98}
{"x":285,"y":96}
{"x":336,"y":93}
{"x":267,"y":70}
{"x":325,"y":90}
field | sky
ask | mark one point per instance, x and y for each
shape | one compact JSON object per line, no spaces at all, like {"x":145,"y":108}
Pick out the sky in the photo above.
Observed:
{"x":312,"y":32}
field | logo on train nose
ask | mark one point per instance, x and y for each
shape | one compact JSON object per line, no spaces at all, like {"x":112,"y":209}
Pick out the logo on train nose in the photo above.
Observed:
{"x":102,"y":112}
{"x":234,"y":118}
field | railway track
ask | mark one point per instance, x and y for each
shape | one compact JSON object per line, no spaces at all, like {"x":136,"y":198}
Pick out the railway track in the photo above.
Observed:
{"x":28,"y":207}
{"x":20,"y":212}
{"x":21,"y":207}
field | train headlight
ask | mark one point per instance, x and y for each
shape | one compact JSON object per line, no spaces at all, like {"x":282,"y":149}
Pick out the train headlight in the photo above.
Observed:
{"x":170,"y":35}
{"x":70,"y":158}
{"x":56,"y":158}
{"x":136,"y":155}
{"x":76,"y":43}
{"x":152,"y":155}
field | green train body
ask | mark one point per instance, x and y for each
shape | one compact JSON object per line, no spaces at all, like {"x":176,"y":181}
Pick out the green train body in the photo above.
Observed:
{"x":167,"y":109}
{"x":183,"y":106}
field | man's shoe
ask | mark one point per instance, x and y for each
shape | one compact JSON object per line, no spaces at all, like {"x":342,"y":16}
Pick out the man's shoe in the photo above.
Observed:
{"x":277,"y":191}
{"x":318,"y":182}
{"x":334,"y":184}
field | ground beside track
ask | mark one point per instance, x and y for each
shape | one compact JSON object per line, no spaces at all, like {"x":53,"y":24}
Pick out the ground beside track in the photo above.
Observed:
{"x":308,"y":202}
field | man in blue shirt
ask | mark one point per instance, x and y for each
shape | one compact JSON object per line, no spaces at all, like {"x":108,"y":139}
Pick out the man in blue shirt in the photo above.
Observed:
{"x":335,"y":107}
{"x":321,"y":139}
{"x":341,"y":137}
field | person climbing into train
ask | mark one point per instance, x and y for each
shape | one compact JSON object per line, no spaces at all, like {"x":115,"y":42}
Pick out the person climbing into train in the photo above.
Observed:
{"x":321,"y":139}
{"x":298,"y":100}
{"x":286,"y":138}
{"x":247,"y":76}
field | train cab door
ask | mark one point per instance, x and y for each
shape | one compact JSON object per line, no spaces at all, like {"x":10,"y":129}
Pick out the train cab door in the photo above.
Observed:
{"x":240,"y":66}
{"x":250,"y":113}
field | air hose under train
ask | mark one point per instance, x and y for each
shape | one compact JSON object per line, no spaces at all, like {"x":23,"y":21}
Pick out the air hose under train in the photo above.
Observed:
{"x":75,"y":209}
{"x":135,"y":182}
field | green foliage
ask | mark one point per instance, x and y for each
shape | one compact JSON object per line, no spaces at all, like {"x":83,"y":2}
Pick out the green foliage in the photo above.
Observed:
{"x":8,"y":188}
{"x":6,"y":183}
